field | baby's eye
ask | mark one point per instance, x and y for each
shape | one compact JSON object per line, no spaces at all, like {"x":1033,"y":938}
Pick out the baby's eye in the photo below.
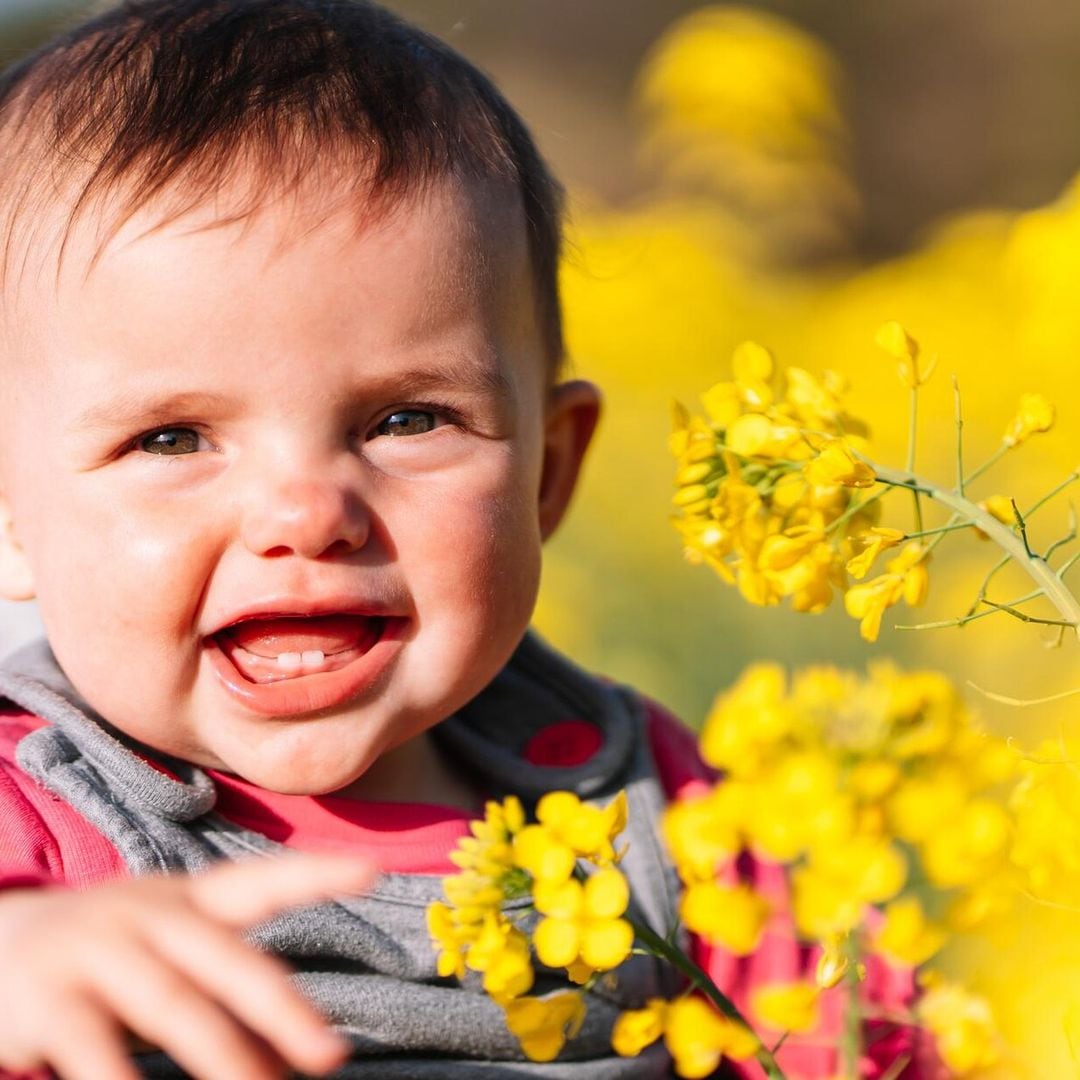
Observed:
{"x":407,"y":422}
{"x":170,"y":441}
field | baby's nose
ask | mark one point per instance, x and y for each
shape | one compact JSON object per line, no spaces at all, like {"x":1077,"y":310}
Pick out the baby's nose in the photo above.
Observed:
{"x":306,"y":517}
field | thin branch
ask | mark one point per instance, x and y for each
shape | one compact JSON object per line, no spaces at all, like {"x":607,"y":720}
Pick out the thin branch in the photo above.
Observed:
{"x":1046,"y":579}
{"x":959,"y":436}
{"x":1070,"y":479}
{"x":1068,"y":538}
{"x":1024,"y":617}
{"x":939,"y":529}
{"x":972,"y":616}
{"x":989,"y":463}
{"x":897,"y":1067}
{"x":1022,"y":525}
{"x":854,"y":508}
{"x":986,"y":582}
{"x":1023,"y":703}
{"x":1068,"y":565}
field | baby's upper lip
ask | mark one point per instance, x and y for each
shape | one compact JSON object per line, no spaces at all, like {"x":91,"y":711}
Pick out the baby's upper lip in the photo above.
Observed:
{"x":294,"y":607}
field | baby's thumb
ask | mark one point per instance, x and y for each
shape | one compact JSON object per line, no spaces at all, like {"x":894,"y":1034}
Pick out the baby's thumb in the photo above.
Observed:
{"x":243,"y":893}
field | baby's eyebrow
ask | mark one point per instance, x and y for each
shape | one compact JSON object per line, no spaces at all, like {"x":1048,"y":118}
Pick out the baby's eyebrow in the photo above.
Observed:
{"x":126,"y":409}
{"x":453,"y":374}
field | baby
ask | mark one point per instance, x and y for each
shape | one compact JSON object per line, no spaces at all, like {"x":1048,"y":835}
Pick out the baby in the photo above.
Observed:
{"x":283,"y":431}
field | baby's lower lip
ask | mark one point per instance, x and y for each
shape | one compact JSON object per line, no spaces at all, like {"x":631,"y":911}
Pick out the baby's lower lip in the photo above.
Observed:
{"x":339,"y":679}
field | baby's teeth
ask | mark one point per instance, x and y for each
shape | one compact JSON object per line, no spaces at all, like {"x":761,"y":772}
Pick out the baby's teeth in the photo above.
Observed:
{"x":291,"y":661}
{"x":311,"y":657}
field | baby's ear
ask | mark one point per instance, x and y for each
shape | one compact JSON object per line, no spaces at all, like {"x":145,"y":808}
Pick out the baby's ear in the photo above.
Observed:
{"x":16,"y":577}
{"x":572,"y":412}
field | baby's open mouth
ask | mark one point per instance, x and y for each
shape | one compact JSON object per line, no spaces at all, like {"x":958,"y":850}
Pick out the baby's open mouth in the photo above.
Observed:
{"x":276,"y":648}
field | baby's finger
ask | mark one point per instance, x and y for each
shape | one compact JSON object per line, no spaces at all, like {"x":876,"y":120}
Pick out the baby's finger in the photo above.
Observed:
{"x":242,"y":893}
{"x":88,"y":1045}
{"x":161,"y":1005}
{"x":254,"y":987}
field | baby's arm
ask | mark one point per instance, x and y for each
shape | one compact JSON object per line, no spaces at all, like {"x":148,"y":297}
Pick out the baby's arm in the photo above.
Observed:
{"x":162,"y":958}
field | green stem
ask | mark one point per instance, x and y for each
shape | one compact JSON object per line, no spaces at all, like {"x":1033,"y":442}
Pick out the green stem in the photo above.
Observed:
{"x":1070,"y":479}
{"x":666,"y":950}
{"x":973,"y":615}
{"x":989,"y":463}
{"x":1005,"y":537}
{"x":938,"y":530}
{"x":854,"y":508}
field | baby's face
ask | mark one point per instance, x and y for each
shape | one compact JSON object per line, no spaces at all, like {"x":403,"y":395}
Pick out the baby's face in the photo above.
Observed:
{"x":282,"y":506}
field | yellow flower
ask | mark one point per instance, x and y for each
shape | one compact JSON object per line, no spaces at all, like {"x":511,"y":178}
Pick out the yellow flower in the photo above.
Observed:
{"x":545,"y":856}
{"x":567,"y":830}
{"x":589,"y":830}
{"x":723,"y":403}
{"x":691,"y":439}
{"x":542,"y":1025}
{"x":583,"y":924}
{"x":700,"y":833}
{"x":747,"y":719}
{"x":816,"y":404}
{"x":962,"y":1026}
{"x":921,"y":803}
{"x":837,"y":465}
{"x":906,"y":935}
{"x":477,"y":893}
{"x":798,"y":563}
{"x":968,"y":846}
{"x":876,"y":540}
{"x":873,"y":778}
{"x":697,"y":1037}
{"x":731,"y":916}
{"x":907,"y":578}
{"x":789,"y":1006}
{"x":752,"y":363}
{"x":501,"y":953}
{"x":831,"y":890}
{"x":833,"y":963}
{"x":1000,"y":507}
{"x":798,"y":803}
{"x":638,"y":1028}
{"x":903,"y":348}
{"x":750,"y":434}
{"x":449,"y":940}
{"x":1034,"y":415}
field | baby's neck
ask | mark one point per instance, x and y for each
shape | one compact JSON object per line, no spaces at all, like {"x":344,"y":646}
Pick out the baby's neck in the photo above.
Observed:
{"x":414,"y":772}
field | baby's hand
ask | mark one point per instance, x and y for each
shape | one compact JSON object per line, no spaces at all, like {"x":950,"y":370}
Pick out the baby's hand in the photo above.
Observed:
{"x":161,"y":958}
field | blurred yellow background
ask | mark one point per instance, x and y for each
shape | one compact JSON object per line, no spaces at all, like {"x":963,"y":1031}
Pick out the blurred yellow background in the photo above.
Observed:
{"x":733,"y":175}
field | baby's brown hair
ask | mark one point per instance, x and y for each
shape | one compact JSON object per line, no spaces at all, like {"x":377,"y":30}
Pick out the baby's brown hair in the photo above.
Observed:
{"x":156,"y":96}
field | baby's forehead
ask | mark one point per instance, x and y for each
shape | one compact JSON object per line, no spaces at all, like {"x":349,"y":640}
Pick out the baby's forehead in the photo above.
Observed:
{"x":474,"y":230}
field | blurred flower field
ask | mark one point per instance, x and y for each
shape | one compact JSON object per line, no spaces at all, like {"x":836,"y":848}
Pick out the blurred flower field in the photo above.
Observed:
{"x":742,"y":237}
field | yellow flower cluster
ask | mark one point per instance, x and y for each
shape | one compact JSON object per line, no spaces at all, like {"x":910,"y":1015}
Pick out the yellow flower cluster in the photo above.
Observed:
{"x":962,"y":1026}
{"x":766,"y":484}
{"x":695,"y":1034}
{"x":852,"y":780}
{"x":581,"y":929}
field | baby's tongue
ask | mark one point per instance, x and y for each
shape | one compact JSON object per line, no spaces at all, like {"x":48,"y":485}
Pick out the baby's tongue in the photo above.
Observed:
{"x":326,"y":633}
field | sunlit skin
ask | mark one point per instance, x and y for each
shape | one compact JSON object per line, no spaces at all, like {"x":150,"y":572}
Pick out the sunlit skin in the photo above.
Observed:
{"x":268,"y":357}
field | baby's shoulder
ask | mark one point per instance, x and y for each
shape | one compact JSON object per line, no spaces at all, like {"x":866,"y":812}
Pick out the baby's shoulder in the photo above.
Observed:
{"x":41,"y":836}
{"x":15,"y":725}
